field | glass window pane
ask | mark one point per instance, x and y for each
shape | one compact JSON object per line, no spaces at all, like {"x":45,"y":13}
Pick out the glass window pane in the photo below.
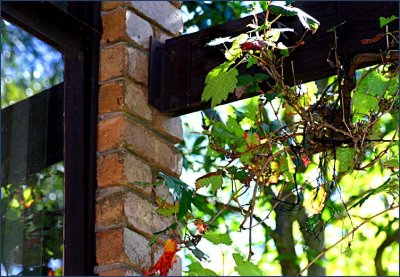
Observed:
{"x":32,"y":180}
{"x":28,"y":65}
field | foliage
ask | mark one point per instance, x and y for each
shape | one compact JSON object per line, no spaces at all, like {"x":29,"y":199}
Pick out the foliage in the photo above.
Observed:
{"x":32,"y":216}
{"x":295,"y":159}
{"x":221,"y":79}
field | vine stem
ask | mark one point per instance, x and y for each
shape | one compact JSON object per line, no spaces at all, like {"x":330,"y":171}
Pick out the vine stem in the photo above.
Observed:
{"x":344,"y":237}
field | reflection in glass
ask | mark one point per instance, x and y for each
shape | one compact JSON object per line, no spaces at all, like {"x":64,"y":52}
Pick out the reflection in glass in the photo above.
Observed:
{"x":32,"y":204}
{"x":32,"y":224}
{"x":28,"y":65}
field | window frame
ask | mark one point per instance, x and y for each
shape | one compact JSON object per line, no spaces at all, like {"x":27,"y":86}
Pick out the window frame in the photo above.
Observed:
{"x":75,"y":30}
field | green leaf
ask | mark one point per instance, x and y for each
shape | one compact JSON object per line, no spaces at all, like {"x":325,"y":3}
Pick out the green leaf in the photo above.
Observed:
{"x":373,"y":83}
{"x":364,"y":103}
{"x":245,"y":79}
{"x":217,"y":238}
{"x":185,"y":203}
{"x":214,"y":179}
{"x":175,"y":184}
{"x":259,"y":77}
{"x":201,"y":204}
{"x":246,"y":268}
{"x":282,"y":10}
{"x":345,"y":157}
{"x":383,"y":21}
{"x":251,"y":61}
{"x":283,"y":49}
{"x":271,"y":96}
{"x":196,"y":269}
{"x":371,"y":192}
{"x":220,"y":81}
{"x":236,"y":51}
{"x":391,"y":163}
{"x":239,"y":174}
{"x":234,"y":127}
{"x":168,"y":210}
{"x":252,"y":88}
{"x":306,"y":20}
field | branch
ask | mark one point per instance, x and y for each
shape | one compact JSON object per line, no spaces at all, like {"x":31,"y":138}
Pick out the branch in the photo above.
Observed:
{"x":348,"y":234}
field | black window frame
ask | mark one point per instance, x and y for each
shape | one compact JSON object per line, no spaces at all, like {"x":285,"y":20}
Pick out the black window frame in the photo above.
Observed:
{"x":74,"y":28}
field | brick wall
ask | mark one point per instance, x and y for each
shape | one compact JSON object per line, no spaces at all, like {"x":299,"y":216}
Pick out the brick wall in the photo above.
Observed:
{"x":135,"y":141}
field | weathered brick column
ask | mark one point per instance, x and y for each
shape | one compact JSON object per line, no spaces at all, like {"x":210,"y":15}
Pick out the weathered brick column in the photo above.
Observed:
{"x":134,"y":140}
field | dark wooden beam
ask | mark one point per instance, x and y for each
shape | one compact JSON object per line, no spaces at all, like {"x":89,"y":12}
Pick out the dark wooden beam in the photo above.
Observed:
{"x":31,"y":139}
{"x":178,"y":67}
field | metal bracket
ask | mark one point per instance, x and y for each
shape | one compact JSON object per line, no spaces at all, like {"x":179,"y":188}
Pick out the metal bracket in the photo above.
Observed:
{"x":156,"y":76}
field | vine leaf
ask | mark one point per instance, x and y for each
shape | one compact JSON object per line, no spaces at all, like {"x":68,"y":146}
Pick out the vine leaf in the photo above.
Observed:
{"x":214,"y":179}
{"x":373,"y":84}
{"x":246,"y":268}
{"x":219,"y":83}
{"x":181,"y":191}
{"x":236,"y":51}
{"x":383,"y":21}
{"x":167,"y":209}
{"x":216,"y":238}
{"x":175,"y":184}
{"x":345,"y":156}
{"x":240,"y":174}
{"x":308,"y":22}
{"x":185,"y":203}
{"x":196,"y":269}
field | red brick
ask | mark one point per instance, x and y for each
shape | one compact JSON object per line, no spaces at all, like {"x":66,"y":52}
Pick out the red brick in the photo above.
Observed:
{"x":114,"y":26}
{"x":120,"y":60}
{"x":112,"y":97}
{"x":123,"y":168}
{"x":121,"y":131}
{"x":110,"y":247}
{"x":109,"y":5}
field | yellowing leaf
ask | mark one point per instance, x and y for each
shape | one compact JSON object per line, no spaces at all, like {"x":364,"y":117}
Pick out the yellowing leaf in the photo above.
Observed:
{"x":236,"y":51}
{"x":315,"y":203}
{"x":168,"y":209}
{"x":27,"y":193}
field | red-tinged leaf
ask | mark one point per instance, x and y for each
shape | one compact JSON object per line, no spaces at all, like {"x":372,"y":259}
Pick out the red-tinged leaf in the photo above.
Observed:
{"x":306,"y":160}
{"x":252,"y":45}
{"x":376,"y":38}
{"x":166,"y":261}
{"x":201,"y":226}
